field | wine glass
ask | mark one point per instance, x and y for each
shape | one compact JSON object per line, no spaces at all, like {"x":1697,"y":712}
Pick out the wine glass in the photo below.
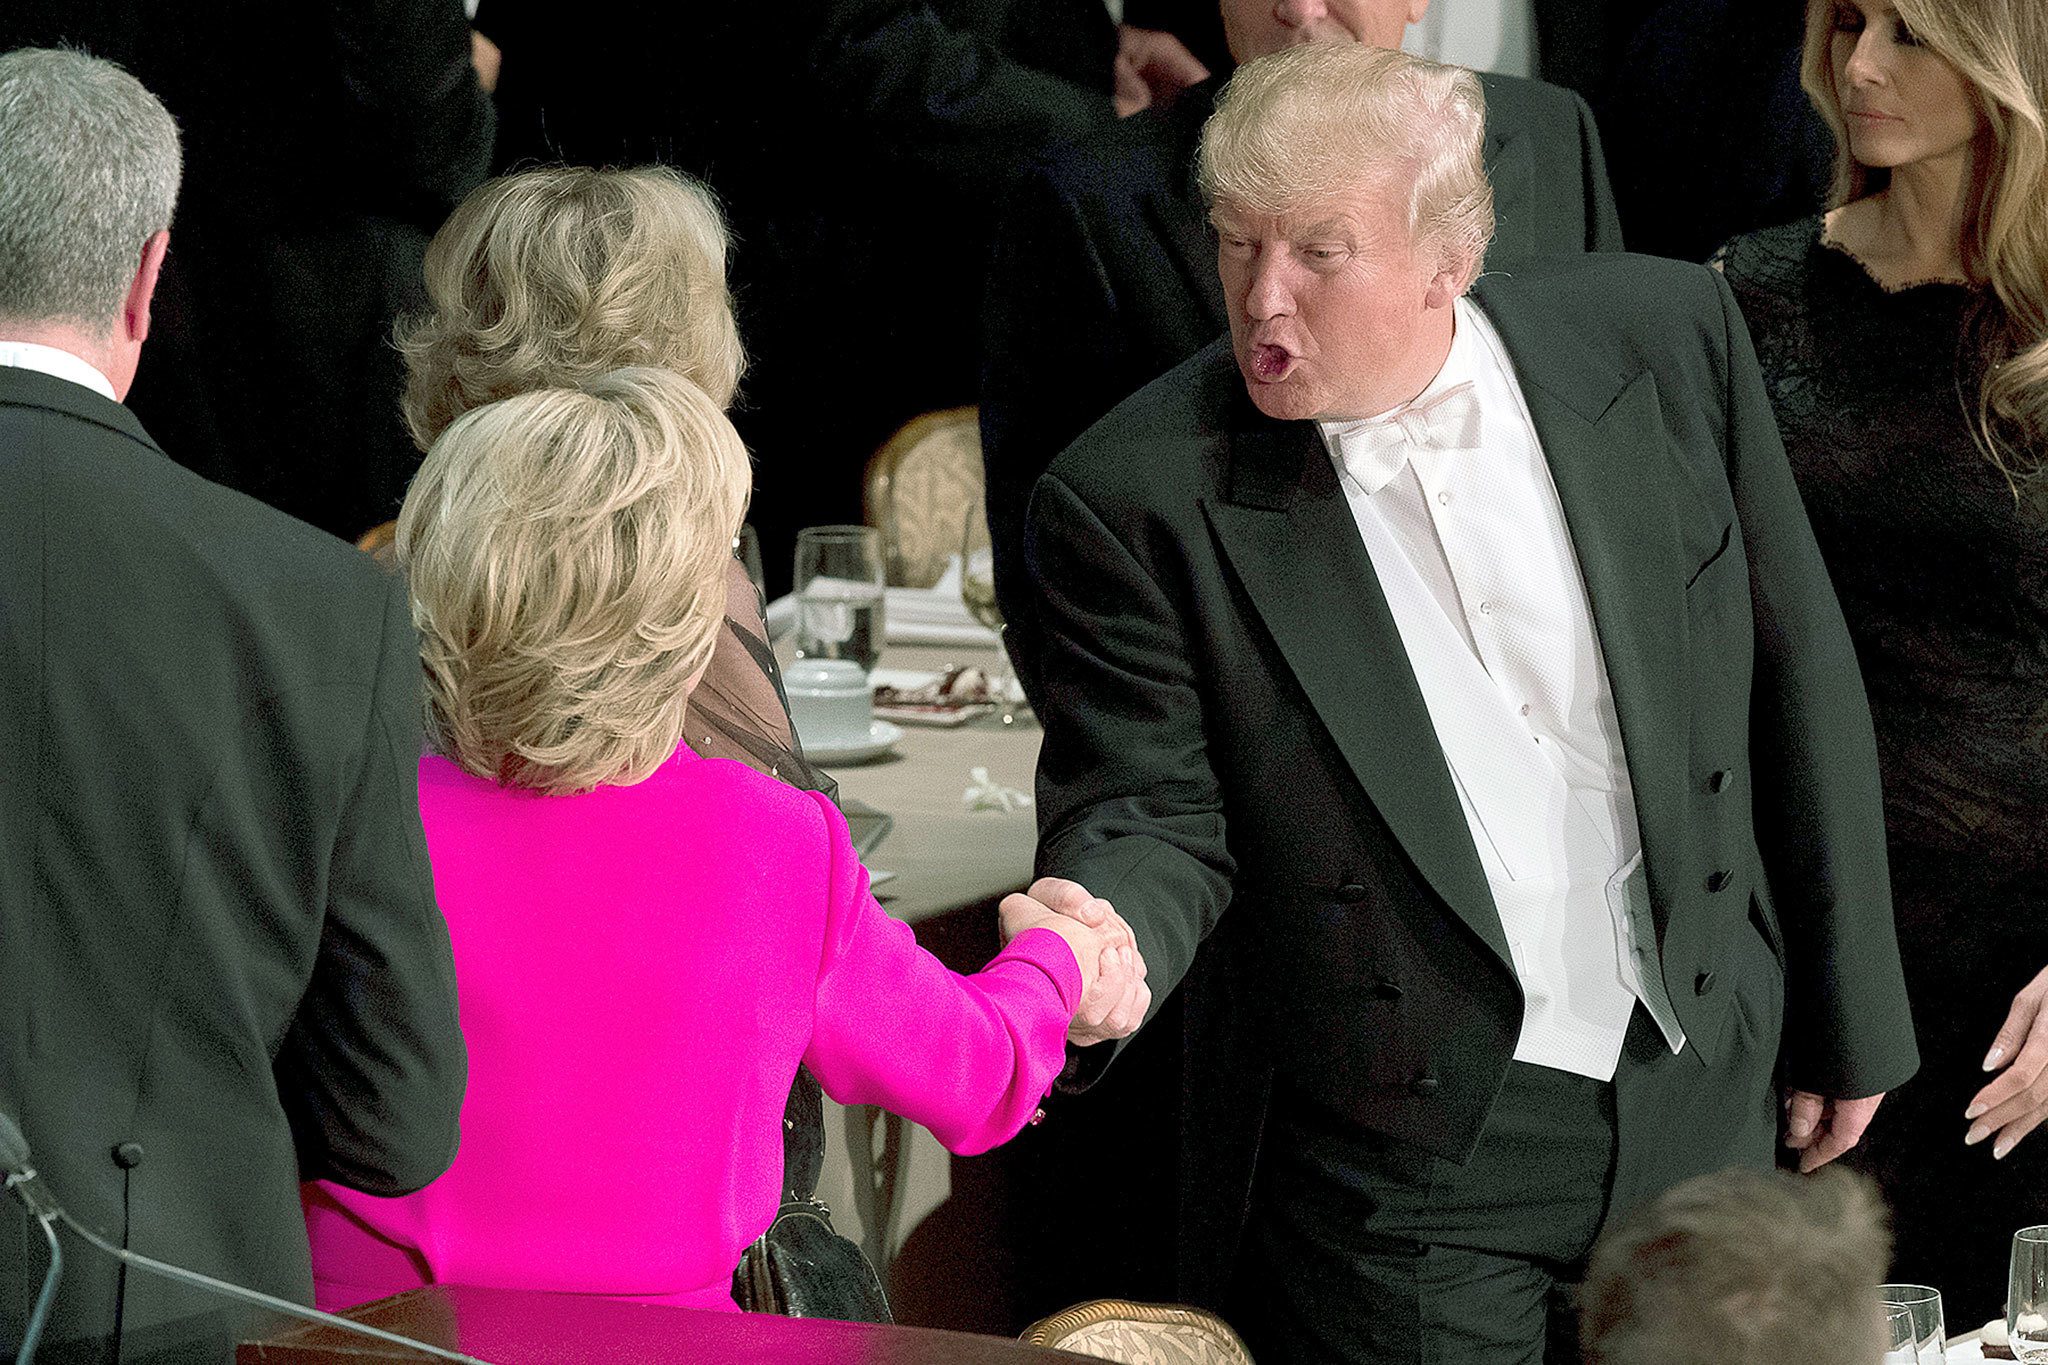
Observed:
{"x":839,"y":594}
{"x":2026,"y":1298}
{"x":1922,"y":1305}
{"x":978,"y":592}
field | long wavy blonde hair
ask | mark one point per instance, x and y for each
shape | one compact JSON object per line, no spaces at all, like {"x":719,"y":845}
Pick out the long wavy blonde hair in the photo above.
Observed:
{"x":567,"y":551}
{"x":559,"y":274}
{"x":2000,"y":48}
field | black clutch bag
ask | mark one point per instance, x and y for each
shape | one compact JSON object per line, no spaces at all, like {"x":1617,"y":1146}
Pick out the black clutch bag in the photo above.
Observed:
{"x":800,"y":1267}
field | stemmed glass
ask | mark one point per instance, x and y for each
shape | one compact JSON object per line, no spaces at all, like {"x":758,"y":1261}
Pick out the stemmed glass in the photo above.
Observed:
{"x":2026,"y":1298}
{"x":978,"y":592}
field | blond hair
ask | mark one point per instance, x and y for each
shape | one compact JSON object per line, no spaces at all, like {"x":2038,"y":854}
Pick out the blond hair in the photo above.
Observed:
{"x":2000,"y":49}
{"x":567,"y":553}
{"x":1310,"y":124}
{"x":1737,"y":1268}
{"x":556,"y":275}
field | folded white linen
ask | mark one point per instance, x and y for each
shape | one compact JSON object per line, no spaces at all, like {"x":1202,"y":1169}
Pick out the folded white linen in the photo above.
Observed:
{"x":910,"y":616}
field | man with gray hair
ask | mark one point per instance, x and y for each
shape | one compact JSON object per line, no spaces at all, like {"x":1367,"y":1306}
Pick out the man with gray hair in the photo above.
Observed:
{"x":1443,"y":683}
{"x":221,"y":965}
{"x":1742,"y":1267}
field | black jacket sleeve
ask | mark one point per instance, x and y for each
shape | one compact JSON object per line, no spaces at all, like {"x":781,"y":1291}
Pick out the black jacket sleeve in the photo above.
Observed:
{"x":372,"y":1070}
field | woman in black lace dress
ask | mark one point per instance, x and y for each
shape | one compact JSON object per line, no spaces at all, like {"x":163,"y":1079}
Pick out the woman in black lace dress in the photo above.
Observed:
{"x":1904,"y":338}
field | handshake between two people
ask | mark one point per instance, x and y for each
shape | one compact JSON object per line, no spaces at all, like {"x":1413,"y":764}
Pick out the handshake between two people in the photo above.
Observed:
{"x":1114,"y":996}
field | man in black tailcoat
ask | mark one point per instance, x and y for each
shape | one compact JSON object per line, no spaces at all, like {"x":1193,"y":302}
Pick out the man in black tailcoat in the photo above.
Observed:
{"x":1444,"y":684}
{"x":221,"y":966}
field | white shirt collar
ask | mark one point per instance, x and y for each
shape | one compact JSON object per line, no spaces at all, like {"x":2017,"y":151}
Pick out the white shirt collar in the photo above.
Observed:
{"x":30,"y":355}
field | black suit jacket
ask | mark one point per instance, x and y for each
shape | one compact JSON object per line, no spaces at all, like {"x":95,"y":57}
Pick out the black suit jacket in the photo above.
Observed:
{"x":1238,"y":756}
{"x":223,"y":969}
{"x":324,"y":144}
{"x":1104,"y":277}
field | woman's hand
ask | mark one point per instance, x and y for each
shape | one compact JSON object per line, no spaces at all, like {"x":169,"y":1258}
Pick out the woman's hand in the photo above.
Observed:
{"x":1114,"y":996}
{"x":2014,"y":1105}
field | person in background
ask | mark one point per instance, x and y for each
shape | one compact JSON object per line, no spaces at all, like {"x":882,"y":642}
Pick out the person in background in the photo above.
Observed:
{"x":1103,"y":276}
{"x":221,"y":964}
{"x":1741,"y":1267}
{"x":1903,"y":336}
{"x":324,"y":144}
{"x":856,"y":144}
{"x":1446,"y":688}
{"x":555,"y":275}
{"x":647,"y":942}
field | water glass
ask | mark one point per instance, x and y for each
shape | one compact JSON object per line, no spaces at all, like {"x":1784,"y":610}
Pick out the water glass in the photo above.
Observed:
{"x":1921,"y":1305}
{"x":1900,"y":1348}
{"x":839,"y":593}
{"x":2026,"y":1297}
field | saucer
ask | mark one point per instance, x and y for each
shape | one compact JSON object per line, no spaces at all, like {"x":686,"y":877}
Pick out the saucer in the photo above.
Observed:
{"x":881,"y":738}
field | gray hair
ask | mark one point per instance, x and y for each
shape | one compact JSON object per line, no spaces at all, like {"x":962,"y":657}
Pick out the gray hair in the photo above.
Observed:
{"x":1737,"y":1268}
{"x":89,"y":168}
{"x":1308,"y":124}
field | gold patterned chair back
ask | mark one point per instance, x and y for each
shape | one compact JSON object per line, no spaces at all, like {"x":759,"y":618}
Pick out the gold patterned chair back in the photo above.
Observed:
{"x":1140,"y":1334}
{"x":918,"y":489}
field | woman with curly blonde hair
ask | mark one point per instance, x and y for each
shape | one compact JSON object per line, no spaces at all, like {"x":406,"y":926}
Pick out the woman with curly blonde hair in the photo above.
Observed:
{"x":648,"y":942}
{"x":1904,"y":338}
{"x":555,"y":275}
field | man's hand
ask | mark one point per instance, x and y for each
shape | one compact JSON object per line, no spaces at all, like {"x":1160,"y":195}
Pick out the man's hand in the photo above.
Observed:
{"x":1115,"y":1002}
{"x":1151,"y":68}
{"x":1821,"y":1129}
{"x":487,"y":59}
{"x":2014,"y":1105}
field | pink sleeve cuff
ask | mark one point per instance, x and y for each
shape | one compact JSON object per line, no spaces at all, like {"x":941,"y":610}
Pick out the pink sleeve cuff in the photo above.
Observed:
{"x":1051,"y":954}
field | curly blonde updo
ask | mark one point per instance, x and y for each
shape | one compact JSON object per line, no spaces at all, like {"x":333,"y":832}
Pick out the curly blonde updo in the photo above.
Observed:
{"x":557,"y":275}
{"x":567,"y":553}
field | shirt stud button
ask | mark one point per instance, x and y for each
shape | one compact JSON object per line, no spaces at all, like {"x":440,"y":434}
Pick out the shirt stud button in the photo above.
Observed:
{"x":1443,"y":499}
{"x":128,"y":1155}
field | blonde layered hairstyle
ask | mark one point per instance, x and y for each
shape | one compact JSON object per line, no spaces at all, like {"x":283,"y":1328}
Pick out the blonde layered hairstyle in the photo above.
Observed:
{"x":567,"y":552}
{"x":2000,"y":48}
{"x":1310,"y":124}
{"x":557,"y":275}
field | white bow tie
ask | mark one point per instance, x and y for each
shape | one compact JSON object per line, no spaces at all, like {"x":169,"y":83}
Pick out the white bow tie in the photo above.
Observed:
{"x":1373,"y":451}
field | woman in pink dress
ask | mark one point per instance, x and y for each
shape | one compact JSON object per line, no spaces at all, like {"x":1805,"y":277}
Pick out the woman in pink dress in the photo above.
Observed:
{"x":647,"y":941}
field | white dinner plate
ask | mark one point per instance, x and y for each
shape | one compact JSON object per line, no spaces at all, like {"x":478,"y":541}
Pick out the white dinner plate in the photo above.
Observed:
{"x":882,"y":737}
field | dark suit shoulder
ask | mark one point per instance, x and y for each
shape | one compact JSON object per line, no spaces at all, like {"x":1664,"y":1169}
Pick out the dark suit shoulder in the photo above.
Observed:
{"x":1166,"y":436}
{"x":1115,"y":164}
{"x":1615,"y":293}
{"x":1517,"y":103}
{"x":127,"y":526}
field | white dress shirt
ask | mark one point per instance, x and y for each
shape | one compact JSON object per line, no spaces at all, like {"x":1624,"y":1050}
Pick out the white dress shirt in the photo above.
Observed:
{"x":29,"y":355}
{"x":1455,"y":503}
{"x":1486,"y":35}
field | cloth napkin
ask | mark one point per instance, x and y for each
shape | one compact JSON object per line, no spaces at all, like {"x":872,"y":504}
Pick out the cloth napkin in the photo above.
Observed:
{"x":910,"y":616}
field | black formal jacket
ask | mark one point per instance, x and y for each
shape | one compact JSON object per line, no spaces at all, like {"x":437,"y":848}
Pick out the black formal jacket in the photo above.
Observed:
{"x":222,"y":970}
{"x":1237,"y":754}
{"x":1104,"y":277}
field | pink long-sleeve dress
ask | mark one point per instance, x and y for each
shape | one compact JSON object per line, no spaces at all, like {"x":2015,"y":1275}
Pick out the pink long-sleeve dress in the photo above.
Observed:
{"x":640,"y":970}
